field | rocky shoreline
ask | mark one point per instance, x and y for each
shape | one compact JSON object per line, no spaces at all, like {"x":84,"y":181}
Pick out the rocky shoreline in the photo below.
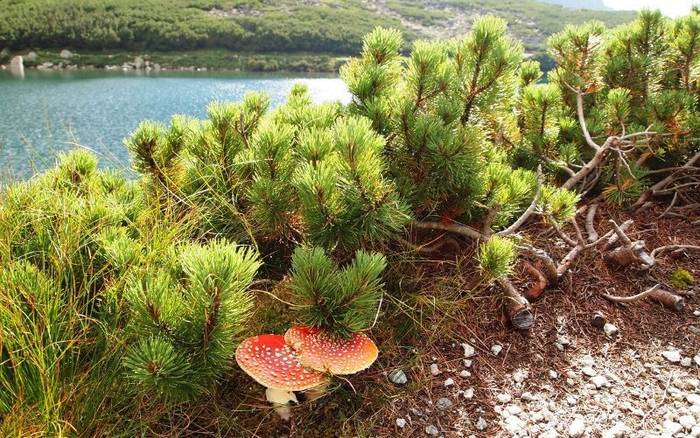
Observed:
{"x":169,"y":61}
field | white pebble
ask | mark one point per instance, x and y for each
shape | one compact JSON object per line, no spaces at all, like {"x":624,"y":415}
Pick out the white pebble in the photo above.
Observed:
{"x":589,"y":371}
{"x":496,"y":349}
{"x":468,"y":350}
{"x":434,"y":369}
{"x":673,"y":356}
{"x":610,"y":329}
{"x":503,"y":398}
{"x":401,"y":422}
{"x":449,"y":382}
{"x":577,"y":427}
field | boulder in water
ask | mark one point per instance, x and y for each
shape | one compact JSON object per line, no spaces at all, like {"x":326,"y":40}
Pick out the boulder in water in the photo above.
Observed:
{"x":17,"y":66}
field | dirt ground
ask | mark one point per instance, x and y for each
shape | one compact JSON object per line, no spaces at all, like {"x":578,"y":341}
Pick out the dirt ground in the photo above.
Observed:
{"x":564,"y":377}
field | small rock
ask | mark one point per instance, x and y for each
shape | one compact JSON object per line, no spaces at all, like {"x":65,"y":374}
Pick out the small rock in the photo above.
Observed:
{"x":503,"y":398}
{"x":448,"y":382}
{"x":467,"y":363}
{"x":481,"y":424}
{"x":520,"y":375}
{"x":513,"y":409}
{"x":693,"y":399}
{"x":468,"y":393}
{"x":671,"y":427}
{"x":589,"y":371}
{"x":398,"y":377}
{"x":464,"y":374}
{"x":553,"y":374}
{"x":686,"y":362}
{"x":496,"y":349}
{"x":514,"y":425}
{"x":562,"y":342}
{"x":416,"y":412}
{"x":696,"y":313}
{"x":431,"y":430}
{"x":468,"y":350}
{"x":434,"y":369}
{"x":610,"y":329}
{"x":527,"y":396}
{"x":66,"y":54}
{"x":401,"y":422}
{"x":31,"y":56}
{"x":599,"y":381}
{"x":696,"y":359}
{"x":619,"y":430}
{"x":577,"y":427}
{"x":443,"y":403}
{"x":673,"y":356}
{"x":687,"y":421}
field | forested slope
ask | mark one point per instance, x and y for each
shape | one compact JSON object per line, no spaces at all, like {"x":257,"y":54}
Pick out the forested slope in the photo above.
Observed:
{"x":328,"y":26}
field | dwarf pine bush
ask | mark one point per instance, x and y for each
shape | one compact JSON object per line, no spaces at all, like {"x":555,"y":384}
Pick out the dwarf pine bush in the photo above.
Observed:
{"x":638,"y":78}
{"x":302,"y":172}
{"x":340,"y":301}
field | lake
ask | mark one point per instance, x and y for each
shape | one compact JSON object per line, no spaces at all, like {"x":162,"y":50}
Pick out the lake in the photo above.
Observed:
{"x":47,"y":111}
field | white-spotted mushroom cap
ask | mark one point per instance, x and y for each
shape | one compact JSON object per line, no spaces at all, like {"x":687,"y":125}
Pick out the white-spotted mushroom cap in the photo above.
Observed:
{"x":274,"y":364}
{"x":321,"y":351}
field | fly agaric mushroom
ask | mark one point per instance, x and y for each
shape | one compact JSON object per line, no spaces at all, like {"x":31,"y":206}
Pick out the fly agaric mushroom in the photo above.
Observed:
{"x":321,"y":351}
{"x":275,"y":365}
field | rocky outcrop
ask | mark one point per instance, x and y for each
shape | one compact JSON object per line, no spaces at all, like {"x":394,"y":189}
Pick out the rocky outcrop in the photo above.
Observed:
{"x":66,"y":54}
{"x":31,"y":56}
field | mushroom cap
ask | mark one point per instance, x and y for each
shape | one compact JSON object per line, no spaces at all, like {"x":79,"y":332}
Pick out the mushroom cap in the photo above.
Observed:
{"x":274,"y":364}
{"x":322,"y":351}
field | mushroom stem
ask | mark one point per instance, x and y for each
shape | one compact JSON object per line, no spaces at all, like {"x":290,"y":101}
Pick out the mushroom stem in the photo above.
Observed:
{"x":280,"y":401}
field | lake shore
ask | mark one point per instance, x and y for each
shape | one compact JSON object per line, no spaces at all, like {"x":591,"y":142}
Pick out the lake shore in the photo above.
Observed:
{"x":192,"y":61}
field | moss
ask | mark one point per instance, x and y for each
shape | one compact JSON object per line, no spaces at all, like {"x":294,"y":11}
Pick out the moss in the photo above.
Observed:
{"x":682,"y":279}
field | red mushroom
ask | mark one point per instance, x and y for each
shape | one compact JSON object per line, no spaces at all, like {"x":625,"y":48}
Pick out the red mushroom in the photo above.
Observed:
{"x":322,"y":351}
{"x":274,"y":364}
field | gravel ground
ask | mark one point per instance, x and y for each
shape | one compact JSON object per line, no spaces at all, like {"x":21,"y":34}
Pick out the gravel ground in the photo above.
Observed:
{"x":649,"y":392}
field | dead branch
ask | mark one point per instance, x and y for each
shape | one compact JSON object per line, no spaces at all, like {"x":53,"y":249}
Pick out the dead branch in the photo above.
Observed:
{"x":629,"y":252}
{"x":657,"y":294}
{"x":590,"y":229}
{"x":540,"y":285}
{"x":464,"y":230}
{"x":633,"y":298}
{"x":517,"y":307}
{"x":550,"y":268}
{"x":663,"y":249}
{"x":612,"y":239}
{"x":664,"y":182}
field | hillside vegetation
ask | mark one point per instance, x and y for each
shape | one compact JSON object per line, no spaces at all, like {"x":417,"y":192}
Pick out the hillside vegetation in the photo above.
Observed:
{"x":329,"y":26}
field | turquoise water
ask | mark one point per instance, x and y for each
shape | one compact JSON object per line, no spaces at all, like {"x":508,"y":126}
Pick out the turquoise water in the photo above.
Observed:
{"x":48,"y":112}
